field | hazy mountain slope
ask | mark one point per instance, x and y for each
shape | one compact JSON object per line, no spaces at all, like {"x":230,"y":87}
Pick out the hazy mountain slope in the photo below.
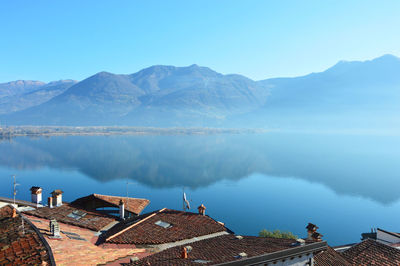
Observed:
{"x":347,"y":85}
{"x":19,"y":87}
{"x":35,"y":97}
{"x":193,"y":96}
{"x":174,"y":95}
{"x":99,"y":99}
{"x":349,"y":94}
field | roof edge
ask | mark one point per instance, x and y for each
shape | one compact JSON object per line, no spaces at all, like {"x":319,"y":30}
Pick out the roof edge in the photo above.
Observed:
{"x":309,"y":248}
{"x":41,"y":237}
{"x":95,"y":194}
{"x":390,"y":233}
{"x":134,"y":224}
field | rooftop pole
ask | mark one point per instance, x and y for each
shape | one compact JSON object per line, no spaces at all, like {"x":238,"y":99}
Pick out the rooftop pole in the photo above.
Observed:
{"x":15,"y":188}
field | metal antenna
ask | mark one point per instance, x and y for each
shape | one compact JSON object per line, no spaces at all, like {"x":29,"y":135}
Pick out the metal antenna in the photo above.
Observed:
{"x":127,"y":184}
{"x":183,"y":199}
{"x":15,"y":187}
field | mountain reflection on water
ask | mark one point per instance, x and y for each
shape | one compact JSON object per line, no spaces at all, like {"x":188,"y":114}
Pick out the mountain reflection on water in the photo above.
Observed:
{"x":353,"y":165}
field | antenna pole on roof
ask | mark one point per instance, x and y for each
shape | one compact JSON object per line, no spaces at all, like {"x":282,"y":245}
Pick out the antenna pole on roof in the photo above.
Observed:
{"x":183,"y":199}
{"x":186,"y":204}
{"x":127,"y":184}
{"x":15,"y":187}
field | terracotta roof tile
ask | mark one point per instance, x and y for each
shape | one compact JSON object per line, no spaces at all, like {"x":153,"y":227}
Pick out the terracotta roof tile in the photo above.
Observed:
{"x":330,"y":257}
{"x":91,"y":220}
{"x":218,"y":249}
{"x":371,"y":252}
{"x":19,"y":246}
{"x":183,"y":225}
{"x":133,"y":205}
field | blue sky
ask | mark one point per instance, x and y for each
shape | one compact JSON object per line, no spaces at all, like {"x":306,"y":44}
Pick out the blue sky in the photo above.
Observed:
{"x":52,"y":40}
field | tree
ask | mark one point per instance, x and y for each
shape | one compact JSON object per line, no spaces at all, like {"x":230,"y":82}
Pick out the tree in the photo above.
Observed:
{"x":277,"y":234}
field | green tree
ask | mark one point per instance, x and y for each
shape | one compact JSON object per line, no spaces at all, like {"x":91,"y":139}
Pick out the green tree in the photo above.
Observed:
{"x":277,"y":234}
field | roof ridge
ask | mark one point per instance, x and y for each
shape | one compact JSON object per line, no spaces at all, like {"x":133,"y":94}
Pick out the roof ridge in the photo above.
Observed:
{"x":390,"y":233}
{"x":134,"y":224}
{"x":95,"y":194}
{"x":40,"y":235}
{"x":367,"y":244}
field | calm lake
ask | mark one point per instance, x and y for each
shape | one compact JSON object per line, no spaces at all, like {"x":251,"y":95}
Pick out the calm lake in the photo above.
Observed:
{"x":345,"y":184}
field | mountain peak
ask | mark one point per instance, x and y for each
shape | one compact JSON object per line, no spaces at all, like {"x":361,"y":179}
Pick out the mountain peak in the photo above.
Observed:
{"x":387,"y":58}
{"x":376,"y":64}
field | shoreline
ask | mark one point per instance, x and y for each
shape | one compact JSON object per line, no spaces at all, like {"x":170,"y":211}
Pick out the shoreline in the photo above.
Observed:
{"x":49,"y":131}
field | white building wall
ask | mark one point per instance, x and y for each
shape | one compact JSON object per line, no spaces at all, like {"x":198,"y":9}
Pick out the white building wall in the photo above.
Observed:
{"x":36,"y":198}
{"x":302,"y":261}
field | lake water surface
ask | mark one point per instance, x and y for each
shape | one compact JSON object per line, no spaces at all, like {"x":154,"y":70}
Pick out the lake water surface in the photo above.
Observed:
{"x":345,"y":184}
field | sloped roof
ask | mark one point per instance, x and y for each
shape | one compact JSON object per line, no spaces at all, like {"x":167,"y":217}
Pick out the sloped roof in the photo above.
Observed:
{"x":220,"y":249}
{"x":18,"y":246}
{"x":133,"y":205}
{"x":330,"y":257}
{"x":370,"y":252}
{"x":89,"y":219}
{"x":144,"y":230}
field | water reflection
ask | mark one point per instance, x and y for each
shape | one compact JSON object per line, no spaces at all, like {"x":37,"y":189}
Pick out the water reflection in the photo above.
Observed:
{"x":353,"y":165}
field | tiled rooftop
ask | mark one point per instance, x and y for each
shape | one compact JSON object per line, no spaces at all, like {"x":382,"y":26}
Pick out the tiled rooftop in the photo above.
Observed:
{"x":65,"y":214}
{"x":371,"y":252}
{"x":163,"y":226}
{"x":216,"y":250}
{"x":20,"y":245}
{"x":133,"y":205}
{"x":330,"y":257}
{"x":77,"y":246}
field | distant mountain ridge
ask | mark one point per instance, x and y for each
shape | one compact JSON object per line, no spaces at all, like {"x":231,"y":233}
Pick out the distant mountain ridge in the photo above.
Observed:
{"x":199,"y":96}
{"x":18,"y":87}
{"x":19,"y":95}
{"x":158,"y":93}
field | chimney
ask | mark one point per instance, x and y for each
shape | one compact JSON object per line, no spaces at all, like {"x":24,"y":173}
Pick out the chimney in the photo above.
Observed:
{"x":312,"y":233}
{"x":14,"y":213}
{"x":316,"y":236}
{"x":121,"y":210}
{"x":202,"y":209}
{"x":54,"y":228}
{"x":57,"y":197}
{"x":36,"y":195}
{"x":311,"y":229}
{"x":50,"y":202}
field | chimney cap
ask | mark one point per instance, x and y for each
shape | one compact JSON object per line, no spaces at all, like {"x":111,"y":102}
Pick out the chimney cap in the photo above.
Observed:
{"x":311,"y":227}
{"x":201,"y":207}
{"x":35,"y":189}
{"x":57,"y":192}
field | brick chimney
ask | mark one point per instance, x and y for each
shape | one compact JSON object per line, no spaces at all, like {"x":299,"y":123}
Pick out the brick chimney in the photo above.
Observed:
{"x":312,"y":233}
{"x":50,"y":202}
{"x":36,"y":195}
{"x":121,"y":210}
{"x":316,"y":236}
{"x":57,"y":197}
{"x":202,"y":209}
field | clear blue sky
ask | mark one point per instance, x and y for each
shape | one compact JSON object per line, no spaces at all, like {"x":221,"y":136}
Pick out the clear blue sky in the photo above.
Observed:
{"x":51,"y":40}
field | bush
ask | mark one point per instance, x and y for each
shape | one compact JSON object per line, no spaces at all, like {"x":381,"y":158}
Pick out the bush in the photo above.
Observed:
{"x":277,"y":234}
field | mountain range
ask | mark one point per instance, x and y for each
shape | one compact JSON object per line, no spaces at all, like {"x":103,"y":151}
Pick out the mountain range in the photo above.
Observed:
{"x":349,"y":91}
